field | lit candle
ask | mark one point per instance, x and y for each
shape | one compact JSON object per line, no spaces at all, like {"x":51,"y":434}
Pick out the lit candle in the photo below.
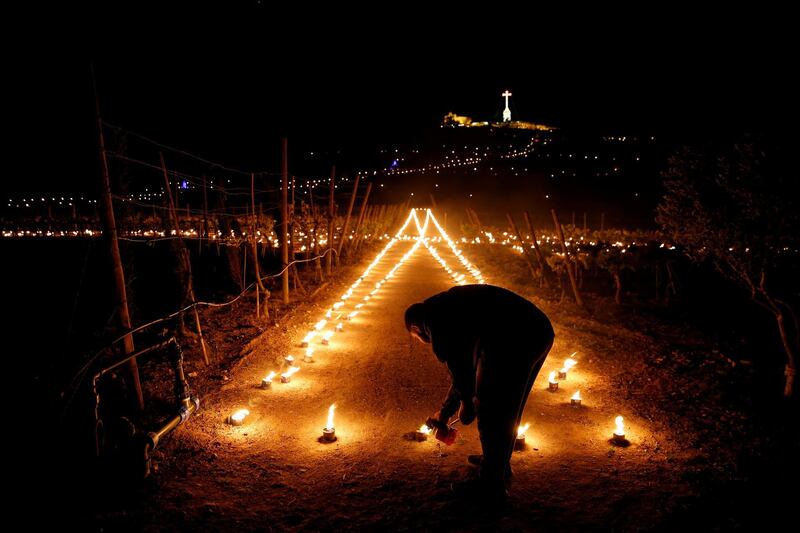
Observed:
{"x":519,"y":443}
{"x":619,"y":431}
{"x":329,"y":313}
{"x":286,"y":377}
{"x":267,"y":381}
{"x":576,"y":399}
{"x":568,"y":364}
{"x":340,"y":326}
{"x":309,"y":356}
{"x":307,"y":339}
{"x":319,"y":325}
{"x":329,"y":432}
{"x":552,"y":383}
{"x":422,"y":433}
{"x":326,"y":338}
{"x":352,"y":315}
{"x":237,"y":418}
{"x":289,"y":359}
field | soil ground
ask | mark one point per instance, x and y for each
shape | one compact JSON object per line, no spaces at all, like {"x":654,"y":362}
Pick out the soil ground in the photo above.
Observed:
{"x":686,"y":463}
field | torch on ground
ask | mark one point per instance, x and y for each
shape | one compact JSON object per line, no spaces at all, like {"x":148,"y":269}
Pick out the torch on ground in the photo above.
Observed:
{"x":442,"y":431}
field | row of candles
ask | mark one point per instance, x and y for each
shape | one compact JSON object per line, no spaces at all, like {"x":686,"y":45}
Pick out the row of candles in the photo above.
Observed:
{"x":336,"y":313}
{"x":329,"y":434}
{"x":618,"y":435}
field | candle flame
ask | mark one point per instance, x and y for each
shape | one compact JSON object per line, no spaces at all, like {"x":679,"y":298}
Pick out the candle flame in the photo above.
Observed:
{"x":289,"y":373}
{"x":424,"y":429}
{"x":568,"y":364}
{"x":353,"y":314}
{"x":522,"y":429}
{"x":309,"y":351}
{"x":319,"y":325}
{"x":620,"y":426}
{"x":576,"y":396}
{"x":330,"y":416}
{"x":289,"y":359}
{"x":309,"y":336}
{"x":270,"y":376}
{"x":552,"y":377}
{"x":240,"y":415}
{"x":328,"y":334}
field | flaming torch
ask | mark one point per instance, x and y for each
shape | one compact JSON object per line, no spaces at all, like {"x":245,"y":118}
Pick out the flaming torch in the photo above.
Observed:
{"x":329,"y":432}
{"x":266,"y":383}
{"x":519,"y":443}
{"x":422,"y":433}
{"x":575,"y":400}
{"x":552,"y":383}
{"x":568,"y":364}
{"x":237,"y":418}
{"x":619,"y":432}
{"x":286,"y":377}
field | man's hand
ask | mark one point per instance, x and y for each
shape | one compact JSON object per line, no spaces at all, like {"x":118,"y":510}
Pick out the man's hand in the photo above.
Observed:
{"x":467,"y":412}
{"x":435,"y":421}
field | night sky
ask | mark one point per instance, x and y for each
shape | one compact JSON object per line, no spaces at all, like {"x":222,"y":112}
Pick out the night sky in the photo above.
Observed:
{"x":228,"y":83}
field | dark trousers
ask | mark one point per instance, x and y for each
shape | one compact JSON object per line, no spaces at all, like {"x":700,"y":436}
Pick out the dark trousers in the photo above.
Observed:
{"x":504,"y":382}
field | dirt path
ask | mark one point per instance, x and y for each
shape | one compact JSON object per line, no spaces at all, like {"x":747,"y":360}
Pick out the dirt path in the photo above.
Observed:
{"x":272,"y":473}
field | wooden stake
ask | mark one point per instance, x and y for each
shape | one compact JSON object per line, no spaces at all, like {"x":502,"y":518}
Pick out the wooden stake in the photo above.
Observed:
{"x":244,"y":267}
{"x":354,"y":246}
{"x":259,"y":285}
{"x":183,"y":256}
{"x":570,"y":272}
{"x":116,"y":261}
{"x":205,"y":214}
{"x":525,"y":251}
{"x":539,"y":258}
{"x":478,"y":221}
{"x":343,"y":237}
{"x":285,"y":218}
{"x":331,"y":219}
{"x":469,"y":217}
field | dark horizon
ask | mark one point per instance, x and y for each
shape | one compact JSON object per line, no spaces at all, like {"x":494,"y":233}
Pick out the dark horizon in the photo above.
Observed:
{"x":229,"y":93}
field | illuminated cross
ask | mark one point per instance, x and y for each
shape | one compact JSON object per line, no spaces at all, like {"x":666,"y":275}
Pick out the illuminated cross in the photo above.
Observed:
{"x":506,"y":111}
